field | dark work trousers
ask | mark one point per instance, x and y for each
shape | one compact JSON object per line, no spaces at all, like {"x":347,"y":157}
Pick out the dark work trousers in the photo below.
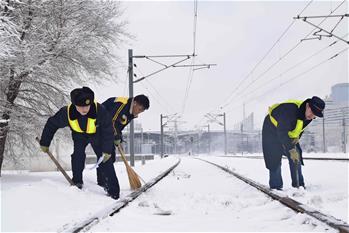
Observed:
{"x":107,"y":168}
{"x":275,"y":178}
{"x":100,"y":174}
{"x":273,"y":152}
{"x":106,"y":176}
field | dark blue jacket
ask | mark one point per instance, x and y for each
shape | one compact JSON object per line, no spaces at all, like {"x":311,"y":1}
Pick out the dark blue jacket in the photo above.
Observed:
{"x":121,"y":114}
{"x":104,"y":132}
{"x":275,"y":140}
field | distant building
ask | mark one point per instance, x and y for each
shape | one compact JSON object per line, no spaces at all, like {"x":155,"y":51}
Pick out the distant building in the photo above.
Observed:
{"x":246,"y":124}
{"x":340,"y":93}
{"x":335,"y":123}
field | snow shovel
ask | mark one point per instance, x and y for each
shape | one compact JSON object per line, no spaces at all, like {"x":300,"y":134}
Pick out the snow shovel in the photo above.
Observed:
{"x":58,"y":165}
{"x":133,"y":177}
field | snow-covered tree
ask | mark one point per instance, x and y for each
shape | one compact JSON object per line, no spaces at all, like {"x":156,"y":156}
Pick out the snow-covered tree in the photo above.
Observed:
{"x":8,"y":31}
{"x":60,"y":44}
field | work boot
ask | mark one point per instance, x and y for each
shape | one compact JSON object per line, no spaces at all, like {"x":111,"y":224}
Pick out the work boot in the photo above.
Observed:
{"x":79,"y":185}
{"x":114,"y":196}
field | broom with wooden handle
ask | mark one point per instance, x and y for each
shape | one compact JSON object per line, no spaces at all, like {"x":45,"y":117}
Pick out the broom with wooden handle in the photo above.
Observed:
{"x":58,"y":165}
{"x":133,"y":177}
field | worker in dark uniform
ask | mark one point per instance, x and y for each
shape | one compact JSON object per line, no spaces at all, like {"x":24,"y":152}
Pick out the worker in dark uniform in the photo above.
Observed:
{"x":122,"y":110}
{"x":90,"y":122}
{"x":282,"y":129}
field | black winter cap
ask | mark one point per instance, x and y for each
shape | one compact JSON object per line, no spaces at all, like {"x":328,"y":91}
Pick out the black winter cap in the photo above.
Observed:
{"x":317,"y":106}
{"x":82,"y":96}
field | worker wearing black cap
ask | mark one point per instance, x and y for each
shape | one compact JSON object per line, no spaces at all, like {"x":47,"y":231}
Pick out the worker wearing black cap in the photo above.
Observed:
{"x":282,"y":129}
{"x":90,"y":122}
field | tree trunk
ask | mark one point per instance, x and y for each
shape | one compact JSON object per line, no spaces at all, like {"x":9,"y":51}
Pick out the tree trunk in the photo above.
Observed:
{"x":11,"y":95}
{"x":3,"y":136}
{"x":12,"y":89}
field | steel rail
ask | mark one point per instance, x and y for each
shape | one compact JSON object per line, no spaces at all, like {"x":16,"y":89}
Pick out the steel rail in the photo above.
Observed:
{"x":331,"y":221}
{"x":85,"y":225}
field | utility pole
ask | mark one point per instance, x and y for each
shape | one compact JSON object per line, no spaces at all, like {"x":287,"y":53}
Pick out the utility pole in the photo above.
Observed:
{"x":198,"y":142}
{"x":161,"y":137}
{"x":209,"y":138}
{"x":130,"y":85}
{"x":131,"y":81}
{"x":213,"y":117}
{"x":175,"y":138}
{"x":324,"y":135}
{"x":344,"y":135}
{"x":242,"y":129}
{"x":225,"y":136}
{"x":242,"y":137}
{"x":142,"y":140}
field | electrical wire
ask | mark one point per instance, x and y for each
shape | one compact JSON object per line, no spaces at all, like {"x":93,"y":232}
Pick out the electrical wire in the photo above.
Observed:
{"x":295,"y":77}
{"x":289,"y":69}
{"x":191,"y":70}
{"x":282,"y":57}
{"x":264,"y":57}
{"x":166,"y":106}
{"x":188,"y":85}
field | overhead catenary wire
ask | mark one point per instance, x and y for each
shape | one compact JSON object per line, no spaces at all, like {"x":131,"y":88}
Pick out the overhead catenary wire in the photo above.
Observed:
{"x":191,"y":69}
{"x":290,"y":68}
{"x":281,"y":58}
{"x":265,"y":55}
{"x":188,"y":85}
{"x":166,"y":106}
{"x":296,"y":76}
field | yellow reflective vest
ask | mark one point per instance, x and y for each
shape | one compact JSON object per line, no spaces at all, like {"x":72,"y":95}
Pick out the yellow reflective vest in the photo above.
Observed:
{"x":299,"y":125}
{"x":74,"y":124}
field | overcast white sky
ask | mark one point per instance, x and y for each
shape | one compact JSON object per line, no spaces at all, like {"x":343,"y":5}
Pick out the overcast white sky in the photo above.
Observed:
{"x":235,"y":36}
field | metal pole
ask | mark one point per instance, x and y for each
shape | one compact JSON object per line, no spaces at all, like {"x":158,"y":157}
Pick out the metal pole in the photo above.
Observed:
{"x":225,"y":136}
{"x":209,"y":138}
{"x":198,"y":143}
{"x":324,"y":135}
{"x":242,"y":130}
{"x":161,"y":137}
{"x":142,"y":140}
{"x":344,"y":136}
{"x":242,"y":138}
{"x":130,"y":85}
{"x":175,"y":139}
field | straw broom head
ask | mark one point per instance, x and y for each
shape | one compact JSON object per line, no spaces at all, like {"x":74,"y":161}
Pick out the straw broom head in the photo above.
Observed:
{"x":133,"y":177}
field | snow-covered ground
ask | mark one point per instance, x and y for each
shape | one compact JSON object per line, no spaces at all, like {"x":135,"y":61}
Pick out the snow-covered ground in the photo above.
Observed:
{"x":199,"y":196}
{"x":44,"y":201}
{"x":326,"y":181}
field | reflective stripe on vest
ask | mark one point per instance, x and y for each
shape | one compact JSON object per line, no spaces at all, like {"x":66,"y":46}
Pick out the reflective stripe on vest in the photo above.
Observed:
{"x":122,"y":100}
{"x":299,"y":125}
{"x":90,"y":127}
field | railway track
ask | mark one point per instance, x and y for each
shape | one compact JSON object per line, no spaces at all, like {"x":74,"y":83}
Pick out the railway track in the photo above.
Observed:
{"x":86,"y":224}
{"x":307,"y":158}
{"x":331,"y":221}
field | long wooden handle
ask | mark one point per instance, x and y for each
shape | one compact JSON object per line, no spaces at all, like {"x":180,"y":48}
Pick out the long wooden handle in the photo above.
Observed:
{"x":58,"y":165}
{"x":122,"y":154}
